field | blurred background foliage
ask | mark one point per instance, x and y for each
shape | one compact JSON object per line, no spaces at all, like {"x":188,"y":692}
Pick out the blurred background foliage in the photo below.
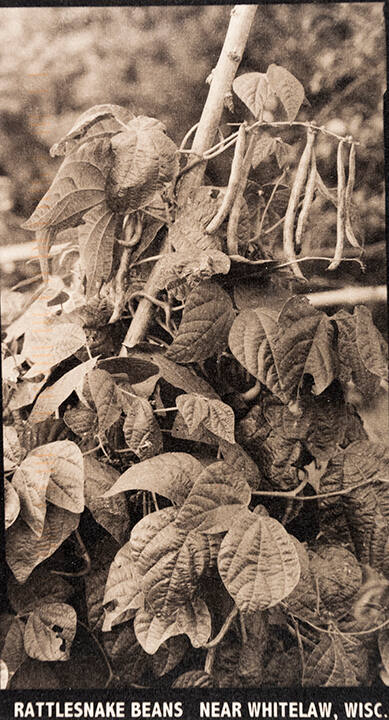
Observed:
{"x":56,"y":62}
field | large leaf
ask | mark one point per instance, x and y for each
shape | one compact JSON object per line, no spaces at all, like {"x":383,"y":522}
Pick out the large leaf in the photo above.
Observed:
{"x":123,"y":593}
{"x":304,"y":346}
{"x":96,"y":238}
{"x":177,"y":375}
{"x":11,"y":504}
{"x":371,"y":345}
{"x":54,"y":395}
{"x":205,"y":324}
{"x":215,"y":499}
{"x":193,"y":619}
{"x":99,"y":121}
{"x":30,"y":482}
{"x":144,"y":159}
{"x":24,"y":550}
{"x":359,"y":356}
{"x":66,"y":484}
{"x":258,"y":562}
{"x":106,"y":398}
{"x":50,"y":631}
{"x":253,"y":89}
{"x":48,"y":343}
{"x":289,"y":90}
{"x":328,"y":665}
{"x":111,"y":513}
{"x":141,"y":430}
{"x":213,"y":414}
{"x":252,"y":340}
{"x":169,"y":474}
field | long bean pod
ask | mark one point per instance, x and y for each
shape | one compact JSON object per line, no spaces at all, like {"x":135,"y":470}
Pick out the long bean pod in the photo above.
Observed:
{"x":341,"y":209}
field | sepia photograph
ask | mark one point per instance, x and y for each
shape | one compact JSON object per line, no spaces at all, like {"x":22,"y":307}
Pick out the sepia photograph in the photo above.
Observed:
{"x":194,"y":361}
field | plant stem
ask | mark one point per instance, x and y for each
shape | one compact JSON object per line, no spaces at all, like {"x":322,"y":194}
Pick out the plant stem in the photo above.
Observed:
{"x":242,"y":17}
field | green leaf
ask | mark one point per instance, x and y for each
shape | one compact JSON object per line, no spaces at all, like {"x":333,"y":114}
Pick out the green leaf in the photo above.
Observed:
{"x":141,"y":430}
{"x":205,"y":324}
{"x":169,"y":474}
{"x":11,"y":503}
{"x":123,"y":593}
{"x":24,"y":550}
{"x":50,"y":631}
{"x":53,"y":396}
{"x":289,"y":90}
{"x":213,"y":414}
{"x":328,"y":665}
{"x":193,"y":619}
{"x":258,"y":562}
{"x":106,"y":398}
{"x":253,"y":89}
{"x":215,"y":498}
{"x":97,"y":236}
{"x":144,"y":159}
{"x":99,"y":121}
{"x":111,"y":513}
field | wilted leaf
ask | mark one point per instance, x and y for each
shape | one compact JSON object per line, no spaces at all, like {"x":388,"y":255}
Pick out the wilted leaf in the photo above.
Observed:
{"x":143,"y":160}
{"x":258,"y":562}
{"x":287,"y":88}
{"x":39,"y":587}
{"x":50,"y":631}
{"x":328,"y":665}
{"x":122,"y":591}
{"x":169,"y":654}
{"x":205,"y":324}
{"x":265,"y":145}
{"x":253,"y":89}
{"x":96,"y":237}
{"x":106,"y":398}
{"x":49,"y":343}
{"x":194,"y":678}
{"x":54,"y":395}
{"x":11,"y":503}
{"x":110,"y":513}
{"x":215,"y":415}
{"x":215,"y":498}
{"x":141,"y":430}
{"x":99,"y":121}
{"x":24,"y":550}
{"x":169,"y":474}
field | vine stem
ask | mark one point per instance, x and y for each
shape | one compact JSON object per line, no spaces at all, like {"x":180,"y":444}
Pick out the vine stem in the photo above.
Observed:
{"x":242,"y":17}
{"x":223,"y":630}
{"x":290,"y":494}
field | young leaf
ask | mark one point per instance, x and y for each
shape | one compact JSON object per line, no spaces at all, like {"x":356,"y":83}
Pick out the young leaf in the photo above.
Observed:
{"x":141,"y":430}
{"x":328,"y":665}
{"x":169,"y":474}
{"x":51,"y":342}
{"x":99,"y":121}
{"x":205,"y":324}
{"x":258,"y":562}
{"x":143,"y":160}
{"x":24,"y":550}
{"x":96,"y":237}
{"x":253,"y":89}
{"x":213,"y":414}
{"x":106,"y":398}
{"x":54,"y":395}
{"x":11,"y":503}
{"x":289,"y":90}
{"x":123,"y":593}
{"x":217,"y":496}
{"x":110,"y":513}
{"x":50,"y":631}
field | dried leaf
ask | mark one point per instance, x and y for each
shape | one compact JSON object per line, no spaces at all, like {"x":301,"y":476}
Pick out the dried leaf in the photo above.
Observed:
{"x":99,"y":121}
{"x":141,"y":430}
{"x":169,"y":474}
{"x":54,"y":395}
{"x":50,"y":631}
{"x":24,"y":550}
{"x":289,"y":90}
{"x":213,"y":414}
{"x":205,"y":324}
{"x":253,"y":89}
{"x":110,"y":513}
{"x":258,"y":562}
